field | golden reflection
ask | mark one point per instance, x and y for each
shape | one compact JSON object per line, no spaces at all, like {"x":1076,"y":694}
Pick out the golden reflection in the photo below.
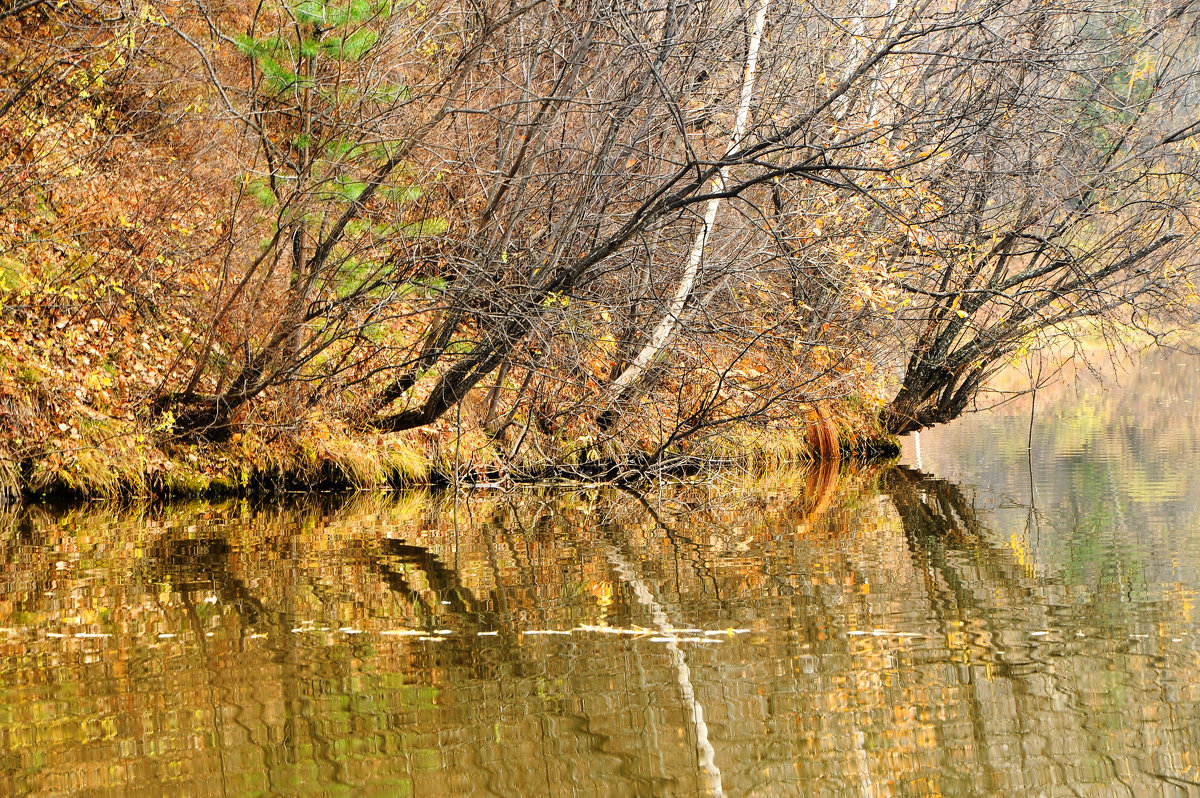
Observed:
{"x":838,"y":634}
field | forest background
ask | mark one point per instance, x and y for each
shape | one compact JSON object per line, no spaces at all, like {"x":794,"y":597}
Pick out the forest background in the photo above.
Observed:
{"x":354,"y":242}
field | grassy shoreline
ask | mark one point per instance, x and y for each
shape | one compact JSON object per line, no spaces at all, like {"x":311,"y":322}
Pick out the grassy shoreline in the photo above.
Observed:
{"x":314,"y":459}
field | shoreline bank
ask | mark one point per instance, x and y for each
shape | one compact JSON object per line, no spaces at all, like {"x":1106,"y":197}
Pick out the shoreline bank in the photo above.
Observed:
{"x":211,"y":471}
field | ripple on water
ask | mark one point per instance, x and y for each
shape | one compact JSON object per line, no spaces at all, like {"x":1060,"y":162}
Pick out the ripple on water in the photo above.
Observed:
{"x":917,"y":635}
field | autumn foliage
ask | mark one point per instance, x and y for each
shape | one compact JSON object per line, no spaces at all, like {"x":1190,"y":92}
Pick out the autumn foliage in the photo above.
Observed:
{"x":314,"y":238}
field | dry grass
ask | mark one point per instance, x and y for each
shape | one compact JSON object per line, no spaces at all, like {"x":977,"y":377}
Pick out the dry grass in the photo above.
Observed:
{"x":10,"y":476}
{"x":111,"y":457}
{"x":372,"y":463}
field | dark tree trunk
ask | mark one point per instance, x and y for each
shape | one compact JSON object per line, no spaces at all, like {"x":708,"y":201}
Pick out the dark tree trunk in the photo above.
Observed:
{"x":207,"y":418}
{"x":212,"y":417}
{"x":929,"y":396}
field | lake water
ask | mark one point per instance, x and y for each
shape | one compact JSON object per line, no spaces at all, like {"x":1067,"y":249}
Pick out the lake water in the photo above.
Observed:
{"x":999,"y":622}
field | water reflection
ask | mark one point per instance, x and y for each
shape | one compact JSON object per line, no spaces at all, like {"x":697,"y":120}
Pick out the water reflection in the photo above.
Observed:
{"x":881,"y":633}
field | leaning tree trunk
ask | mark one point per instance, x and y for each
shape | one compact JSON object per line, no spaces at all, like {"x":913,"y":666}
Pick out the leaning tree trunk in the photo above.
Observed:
{"x":669,"y":325}
{"x":931,"y":395}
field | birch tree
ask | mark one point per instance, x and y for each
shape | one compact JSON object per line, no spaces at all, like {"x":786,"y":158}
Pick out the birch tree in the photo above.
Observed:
{"x":665,"y":329}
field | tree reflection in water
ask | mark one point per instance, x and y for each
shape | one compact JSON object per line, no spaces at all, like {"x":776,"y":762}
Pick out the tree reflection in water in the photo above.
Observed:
{"x":836,"y":634}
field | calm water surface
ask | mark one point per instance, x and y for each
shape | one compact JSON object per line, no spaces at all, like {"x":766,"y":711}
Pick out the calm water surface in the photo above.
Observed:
{"x":991,"y":624}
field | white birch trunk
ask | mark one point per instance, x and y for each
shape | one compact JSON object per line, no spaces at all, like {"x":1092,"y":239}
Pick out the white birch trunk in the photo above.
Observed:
{"x":668,"y":326}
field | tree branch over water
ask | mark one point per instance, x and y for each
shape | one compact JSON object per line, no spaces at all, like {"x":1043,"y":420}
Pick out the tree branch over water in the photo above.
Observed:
{"x":365,"y":214}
